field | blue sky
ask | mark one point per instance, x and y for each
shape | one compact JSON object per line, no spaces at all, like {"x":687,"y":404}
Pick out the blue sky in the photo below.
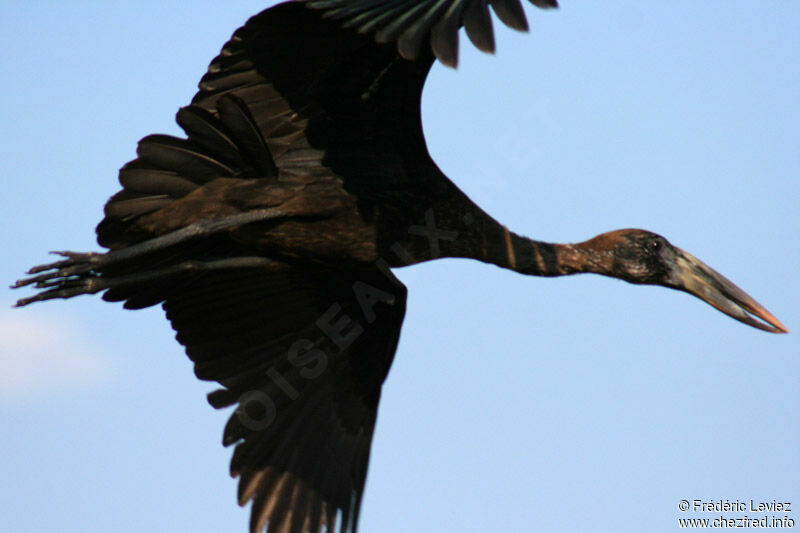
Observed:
{"x":514,"y":404}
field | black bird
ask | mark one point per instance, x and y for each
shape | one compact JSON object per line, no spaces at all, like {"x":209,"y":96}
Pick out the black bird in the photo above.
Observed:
{"x":270,"y":232}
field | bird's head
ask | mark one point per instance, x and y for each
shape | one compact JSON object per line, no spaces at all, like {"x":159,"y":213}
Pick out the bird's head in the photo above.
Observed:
{"x":640,"y":256}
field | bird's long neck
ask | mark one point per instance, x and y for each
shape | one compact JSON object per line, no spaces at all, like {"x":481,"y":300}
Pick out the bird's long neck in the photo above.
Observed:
{"x":476,"y":235}
{"x":537,"y":258}
{"x":451,"y":225}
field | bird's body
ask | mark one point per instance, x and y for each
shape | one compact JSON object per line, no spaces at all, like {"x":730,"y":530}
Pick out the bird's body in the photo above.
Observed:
{"x":269,"y":234}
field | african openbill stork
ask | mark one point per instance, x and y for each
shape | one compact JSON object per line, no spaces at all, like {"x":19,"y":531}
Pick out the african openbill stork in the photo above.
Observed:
{"x":269,"y":234}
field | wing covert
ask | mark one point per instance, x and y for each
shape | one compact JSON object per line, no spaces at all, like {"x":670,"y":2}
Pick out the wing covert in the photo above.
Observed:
{"x":327,"y":100}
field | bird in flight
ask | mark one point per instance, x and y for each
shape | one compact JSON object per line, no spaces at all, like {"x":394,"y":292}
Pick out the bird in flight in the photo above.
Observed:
{"x":269,"y":234}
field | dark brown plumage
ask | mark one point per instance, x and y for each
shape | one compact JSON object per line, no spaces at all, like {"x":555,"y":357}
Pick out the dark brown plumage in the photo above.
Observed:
{"x":269,"y":233}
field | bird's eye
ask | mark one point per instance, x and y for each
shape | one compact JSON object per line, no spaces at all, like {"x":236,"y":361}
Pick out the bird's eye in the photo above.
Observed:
{"x":655,"y":245}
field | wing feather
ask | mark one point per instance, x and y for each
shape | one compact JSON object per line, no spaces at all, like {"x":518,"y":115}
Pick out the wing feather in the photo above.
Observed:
{"x":478,"y":24}
{"x":301,"y":432}
{"x":511,"y":14}
{"x":223,"y":142}
{"x":409,"y":21}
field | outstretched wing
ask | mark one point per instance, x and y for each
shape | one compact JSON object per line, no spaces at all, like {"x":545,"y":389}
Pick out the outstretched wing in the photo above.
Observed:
{"x":302,"y":346}
{"x":328,"y":96}
{"x":327,"y":99}
{"x":304,"y":353}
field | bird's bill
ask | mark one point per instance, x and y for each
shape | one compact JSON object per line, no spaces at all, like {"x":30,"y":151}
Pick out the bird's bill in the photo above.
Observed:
{"x":697,"y":278}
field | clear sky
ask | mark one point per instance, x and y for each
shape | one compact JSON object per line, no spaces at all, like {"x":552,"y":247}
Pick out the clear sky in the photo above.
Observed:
{"x":514,"y":404}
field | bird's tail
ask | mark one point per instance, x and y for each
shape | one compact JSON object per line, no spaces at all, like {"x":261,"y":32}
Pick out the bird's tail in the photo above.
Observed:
{"x":143,"y":273}
{"x":63,"y":279}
